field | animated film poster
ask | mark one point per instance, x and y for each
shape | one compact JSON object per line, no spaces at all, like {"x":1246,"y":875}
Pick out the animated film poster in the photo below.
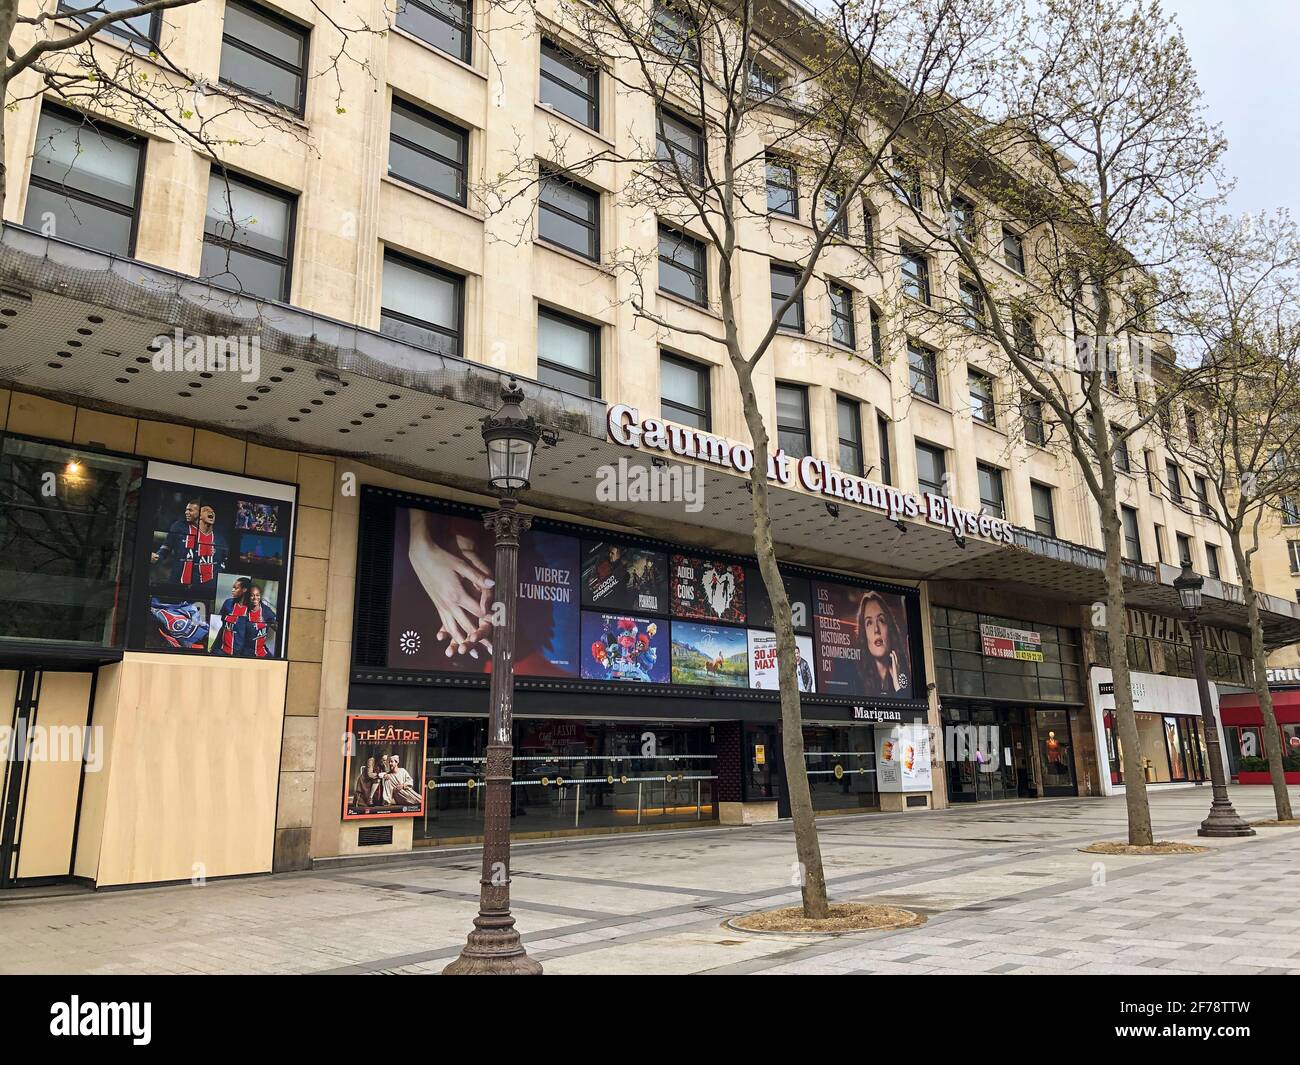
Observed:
{"x":618,"y":577}
{"x":760,"y":607}
{"x":213,"y":575}
{"x":763,"y":662}
{"x":624,"y":647}
{"x":706,"y":590}
{"x":383,"y":771}
{"x":442,"y":597}
{"x":709,"y":654}
{"x":862,"y":643}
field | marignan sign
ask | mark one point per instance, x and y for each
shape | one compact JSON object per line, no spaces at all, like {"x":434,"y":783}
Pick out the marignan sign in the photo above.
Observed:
{"x":626,"y":427}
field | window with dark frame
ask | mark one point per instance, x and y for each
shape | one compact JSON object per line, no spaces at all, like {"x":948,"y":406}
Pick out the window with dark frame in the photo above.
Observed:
{"x":764,"y":83}
{"x":1119,"y":451}
{"x":923,"y":371}
{"x":1293,"y":551}
{"x":447,"y":25}
{"x":568,"y":353}
{"x":931,"y":469}
{"x":843,"y":331}
{"x":868,"y":228}
{"x":1174,"y":481}
{"x":682,"y":262}
{"x":1202,"y":488}
{"x":672,"y":34}
{"x":963,"y":219}
{"x":1044,"y":510}
{"x":848,"y":420}
{"x":680,"y":146}
{"x":1013,"y":250}
{"x":1212,"y":560}
{"x":422,"y":305}
{"x":992,"y":497}
{"x":916,"y":275}
{"x":1132,"y":535}
{"x":831,"y":200}
{"x":1031,"y":413}
{"x":85,"y":182}
{"x":569,"y":85}
{"x":793,"y":434}
{"x":784,"y":281}
{"x":568,"y":214}
{"x":877,"y":341}
{"x":886,"y":451}
{"x":684,"y":391}
{"x":1022,"y":335}
{"x":1193,"y":428}
{"x":982,"y":407}
{"x":1160,"y":542}
{"x":972,"y":305}
{"x":782,"y":186}
{"x":1290,"y":510}
{"x":427,"y":151}
{"x":264,"y":54}
{"x":1184,"y":548}
{"x":247,"y":237}
{"x":142,"y":29}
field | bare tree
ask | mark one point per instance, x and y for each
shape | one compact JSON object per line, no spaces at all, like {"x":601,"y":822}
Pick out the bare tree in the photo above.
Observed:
{"x":1240,"y":315}
{"x":1051,"y":218}
{"x":728,"y":89}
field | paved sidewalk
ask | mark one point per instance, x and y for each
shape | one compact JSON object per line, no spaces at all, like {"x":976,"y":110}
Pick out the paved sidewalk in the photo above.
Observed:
{"x":1004,"y":887}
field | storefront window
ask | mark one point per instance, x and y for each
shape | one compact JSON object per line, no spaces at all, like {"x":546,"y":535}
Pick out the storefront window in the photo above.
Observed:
{"x":571,"y":774}
{"x":67,"y":525}
{"x":962,"y":667}
{"x":1172,"y":748}
{"x":841,"y":763}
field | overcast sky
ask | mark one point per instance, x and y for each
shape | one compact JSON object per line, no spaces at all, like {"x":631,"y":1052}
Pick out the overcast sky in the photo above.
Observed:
{"x":1245,"y":56}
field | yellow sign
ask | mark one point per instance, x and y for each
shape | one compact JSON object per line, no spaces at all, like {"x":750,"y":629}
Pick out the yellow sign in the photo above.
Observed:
{"x":760,"y":754}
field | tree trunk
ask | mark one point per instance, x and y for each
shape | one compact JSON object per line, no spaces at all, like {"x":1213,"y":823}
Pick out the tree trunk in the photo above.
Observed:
{"x":1135,"y":781}
{"x":812,"y":879}
{"x":8,"y":20}
{"x":1259,"y":659}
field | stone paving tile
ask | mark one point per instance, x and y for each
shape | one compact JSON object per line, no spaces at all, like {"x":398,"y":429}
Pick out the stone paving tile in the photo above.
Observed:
{"x":656,"y":905}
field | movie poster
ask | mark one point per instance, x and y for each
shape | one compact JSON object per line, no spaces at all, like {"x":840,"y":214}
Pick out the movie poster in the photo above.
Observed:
{"x":442,"y":598}
{"x":709,"y":654}
{"x":383,"y":767}
{"x":214,"y":569}
{"x":618,"y":577}
{"x":760,"y":607}
{"x":624,"y":647}
{"x":763,"y":661}
{"x":706,"y":590}
{"x":862,"y":644}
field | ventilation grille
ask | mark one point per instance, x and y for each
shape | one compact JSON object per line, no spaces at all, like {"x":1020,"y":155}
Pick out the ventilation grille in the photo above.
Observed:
{"x":917,"y":800}
{"x":375,"y":836}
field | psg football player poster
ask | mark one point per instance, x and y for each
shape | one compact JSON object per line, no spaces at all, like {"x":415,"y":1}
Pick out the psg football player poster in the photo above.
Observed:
{"x":618,"y":577}
{"x":202,"y":585}
{"x":383,"y":767}
{"x":706,"y":590}
{"x":862,"y":642}
{"x":443,"y":597}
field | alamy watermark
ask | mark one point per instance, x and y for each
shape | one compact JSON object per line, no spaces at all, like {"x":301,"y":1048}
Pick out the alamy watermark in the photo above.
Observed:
{"x":629,"y":482}
{"x":181,"y":352}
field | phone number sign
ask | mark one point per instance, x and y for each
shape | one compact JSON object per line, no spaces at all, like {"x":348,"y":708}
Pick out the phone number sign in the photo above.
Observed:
{"x":1024,"y":645}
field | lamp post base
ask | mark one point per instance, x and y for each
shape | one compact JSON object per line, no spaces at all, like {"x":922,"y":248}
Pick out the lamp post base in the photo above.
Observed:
{"x":493,"y":952}
{"x":1224,"y":821}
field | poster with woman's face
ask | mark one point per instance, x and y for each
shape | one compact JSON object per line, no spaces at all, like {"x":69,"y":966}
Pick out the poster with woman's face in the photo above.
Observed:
{"x":706,"y":590}
{"x":444,"y":599}
{"x":862,"y":645}
{"x":618,"y":577}
{"x":215,"y":560}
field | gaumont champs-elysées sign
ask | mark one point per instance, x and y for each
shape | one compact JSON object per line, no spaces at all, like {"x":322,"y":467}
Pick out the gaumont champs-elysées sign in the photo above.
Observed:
{"x":627,"y":427}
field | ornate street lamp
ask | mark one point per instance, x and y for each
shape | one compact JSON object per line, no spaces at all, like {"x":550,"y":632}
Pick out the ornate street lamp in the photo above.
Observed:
{"x":1223,"y":819}
{"x":493,"y":948}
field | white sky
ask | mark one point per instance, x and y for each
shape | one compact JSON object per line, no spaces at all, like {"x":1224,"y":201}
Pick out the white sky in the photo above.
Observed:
{"x":1249,"y":70}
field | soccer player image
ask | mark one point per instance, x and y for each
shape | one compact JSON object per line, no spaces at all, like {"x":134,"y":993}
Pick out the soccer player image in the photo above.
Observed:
{"x":259,"y":621}
{"x":180,"y":624}
{"x":181,"y":536}
{"x":233,"y":612}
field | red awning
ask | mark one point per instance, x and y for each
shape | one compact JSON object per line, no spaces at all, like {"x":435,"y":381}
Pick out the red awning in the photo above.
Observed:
{"x":1244,"y":709}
